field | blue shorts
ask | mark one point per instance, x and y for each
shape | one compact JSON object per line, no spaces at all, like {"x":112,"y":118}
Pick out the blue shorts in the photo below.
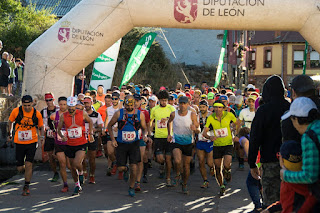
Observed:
{"x":142,"y":143}
{"x":206,"y":146}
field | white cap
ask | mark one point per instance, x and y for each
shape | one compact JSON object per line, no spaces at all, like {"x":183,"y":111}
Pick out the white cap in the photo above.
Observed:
{"x":153,"y":98}
{"x":72,"y":101}
{"x":300,"y":107}
{"x":250,"y":86}
{"x":239,"y":99}
{"x":232,"y":99}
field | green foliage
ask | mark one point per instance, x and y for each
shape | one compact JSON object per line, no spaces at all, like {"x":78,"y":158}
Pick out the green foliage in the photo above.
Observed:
{"x":20,"y":26}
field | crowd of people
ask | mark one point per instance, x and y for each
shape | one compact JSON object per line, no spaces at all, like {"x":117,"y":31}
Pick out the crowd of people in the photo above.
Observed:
{"x":135,"y":124}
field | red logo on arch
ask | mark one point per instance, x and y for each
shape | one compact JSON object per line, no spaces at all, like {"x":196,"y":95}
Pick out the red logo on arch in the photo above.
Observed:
{"x":185,"y":11}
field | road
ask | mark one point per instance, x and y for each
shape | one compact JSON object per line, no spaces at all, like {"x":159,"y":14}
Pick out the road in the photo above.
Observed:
{"x":110,"y":195}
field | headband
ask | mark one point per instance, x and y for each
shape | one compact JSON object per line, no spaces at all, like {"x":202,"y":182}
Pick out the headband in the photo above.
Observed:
{"x":218,"y":105}
{"x":129,"y":102}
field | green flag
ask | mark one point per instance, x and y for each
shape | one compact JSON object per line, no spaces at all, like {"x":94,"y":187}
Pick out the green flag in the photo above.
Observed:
{"x":96,"y":75}
{"x":137,"y":56}
{"x":305,"y":58}
{"x":221,"y":59}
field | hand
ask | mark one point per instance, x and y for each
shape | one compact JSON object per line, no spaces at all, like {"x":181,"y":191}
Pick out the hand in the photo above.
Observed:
{"x":122,"y":95}
{"x":255,"y":173}
{"x":169,"y":139}
{"x":91,"y":139}
{"x":114,"y":143}
{"x":64,"y":139}
{"x":236,"y":139}
{"x":193,"y":127}
{"x":9,"y":138}
{"x":150,"y":140}
{"x":213,"y":138}
{"x":145,"y":139}
{"x":115,"y":129}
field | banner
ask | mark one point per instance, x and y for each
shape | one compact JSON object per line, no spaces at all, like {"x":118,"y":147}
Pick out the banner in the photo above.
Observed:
{"x":221,"y":60}
{"x":104,"y":66}
{"x":137,"y":56}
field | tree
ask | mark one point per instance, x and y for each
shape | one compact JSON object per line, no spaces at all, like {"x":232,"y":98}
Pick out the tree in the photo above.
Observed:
{"x":20,"y":26}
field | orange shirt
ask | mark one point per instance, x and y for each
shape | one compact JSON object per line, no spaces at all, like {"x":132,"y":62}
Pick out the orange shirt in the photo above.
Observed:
{"x":101,"y":98}
{"x":102,"y":111}
{"x":23,"y":131}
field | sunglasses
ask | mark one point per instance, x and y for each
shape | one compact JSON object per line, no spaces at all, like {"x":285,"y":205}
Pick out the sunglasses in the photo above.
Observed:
{"x":115,"y":98}
{"x":49,"y":100}
{"x":144,"y":103}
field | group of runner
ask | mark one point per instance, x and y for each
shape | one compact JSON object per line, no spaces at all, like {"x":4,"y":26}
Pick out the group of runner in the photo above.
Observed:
{"x":134,"y":126}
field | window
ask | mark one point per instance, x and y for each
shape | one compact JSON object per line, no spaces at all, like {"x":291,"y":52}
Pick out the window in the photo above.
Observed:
{"x":314,"y":59}
{"x":298,"y":59}
{"x":268,"y":58}
{"x":252,"y":60}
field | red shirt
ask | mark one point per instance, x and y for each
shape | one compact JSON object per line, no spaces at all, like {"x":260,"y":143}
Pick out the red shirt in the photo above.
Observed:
{"x":146,"y":114}
{"x":102,"y":111}
{"x":72,"y":124}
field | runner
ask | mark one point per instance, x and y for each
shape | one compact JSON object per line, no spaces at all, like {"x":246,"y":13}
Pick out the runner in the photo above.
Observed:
{"x":204,"y":146}
{"x":112,"y":167}
{"x":49,"y":135}
{"x":96,"y":103}
{"x":97,"y":128}
{"x":220,"y":120}
{"x":60,"y":146}
{"x":183,"y":123}
{"x":100,"y":94}
{"x":73,"y":120}
{"x":129,"y":122}
{"x":27,"y":120}
{"x":160,"y":115}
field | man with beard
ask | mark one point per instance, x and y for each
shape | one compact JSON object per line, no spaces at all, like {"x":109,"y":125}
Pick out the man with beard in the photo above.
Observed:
{"x":73,"y":121}
{"x":129,"y":121}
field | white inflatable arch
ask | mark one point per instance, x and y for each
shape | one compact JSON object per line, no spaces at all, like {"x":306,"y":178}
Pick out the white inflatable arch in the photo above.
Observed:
{"x":93,"y":26}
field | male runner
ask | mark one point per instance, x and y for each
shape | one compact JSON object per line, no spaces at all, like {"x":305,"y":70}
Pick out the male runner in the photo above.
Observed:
{"x":183,"y":123}
{"x":100,"y":94}
{"x":129,"y":122}
{"x":73,"y":121}
{"x":49,"y":135}
{"x":96,"y":103}
{"x":27,"y":120}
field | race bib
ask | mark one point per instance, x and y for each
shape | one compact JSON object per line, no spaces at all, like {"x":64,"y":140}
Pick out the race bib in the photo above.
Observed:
{"x":25,"y":135}
{"x":75,"y":133}
{"x":64,"y":133}
{"x":86,"y":125}
{"x":50,"y":133}
{"x":221,"y":133}
{"x":162,"y":125}
{"x":128,"y":136}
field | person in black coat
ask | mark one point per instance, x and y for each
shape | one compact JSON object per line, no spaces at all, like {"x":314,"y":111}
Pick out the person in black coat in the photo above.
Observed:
{"x":266,"y":136}
{"x":4,"y":72}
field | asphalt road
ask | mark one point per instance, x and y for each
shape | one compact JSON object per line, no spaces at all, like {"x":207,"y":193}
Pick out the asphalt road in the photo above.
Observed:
{"x":110,"y":195}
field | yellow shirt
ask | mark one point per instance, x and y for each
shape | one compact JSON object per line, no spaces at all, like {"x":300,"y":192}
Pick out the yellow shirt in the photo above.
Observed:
{"x":221,"y":129}
{"x":158,"y":113}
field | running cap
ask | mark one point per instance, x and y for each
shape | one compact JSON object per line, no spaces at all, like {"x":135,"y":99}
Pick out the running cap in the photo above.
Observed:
{"x":253,"y":97}
{"x":218,"y":105}
{"x":79,"y":103}
{"x":171,"y":98}
{"x":27,"y":99}
{"x":210,"y":96}
{"x":300,"y":107}
{"x":187,"y":86}
{"x":137,"y":96}
{"x":203,"y":102}
{"x":81,"y":96}
{"x":189,"y":95}
{"x":162,"y":88}
{"x":181,"y":94}
{"x":87,"y":99}
{"x":204,"y":96}
{"x":223,"y":98}
{"x":153,"y":98}
{"x":232,"y":99}
{"x":238,"y":92}
{"x":72,"y":101}
{"x":239,"y":99}
{"x":250,"y":86}
{"x":48,"y":95}
{"x":291,"y":154}
{"x":302,"y":83}
{"x":175,"y":95}
{"x":116,"y":93}
{"x":183,"y":99}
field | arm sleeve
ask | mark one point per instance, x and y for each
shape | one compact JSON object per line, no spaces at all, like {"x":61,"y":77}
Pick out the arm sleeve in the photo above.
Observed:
{"x":256,"y":136}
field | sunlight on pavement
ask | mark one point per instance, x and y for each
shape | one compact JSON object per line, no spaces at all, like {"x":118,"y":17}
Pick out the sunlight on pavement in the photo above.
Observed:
{"x":111,"y":211}
{"x":200,"y":204}
{"x":207,"y":209}
{"x":55,"y":200}
{"x":198,"y":200}
{"x":8,"y":190}
{"x":243,"y":209}
{"x":8,"y":209}
{"x":234,"y":192}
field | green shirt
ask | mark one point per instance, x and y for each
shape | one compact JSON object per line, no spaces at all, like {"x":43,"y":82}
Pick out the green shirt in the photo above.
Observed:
{"x":221,"y":129}
{"x":310,"y":159}
{"x":158,"y":113}
{"x":12,"y":67}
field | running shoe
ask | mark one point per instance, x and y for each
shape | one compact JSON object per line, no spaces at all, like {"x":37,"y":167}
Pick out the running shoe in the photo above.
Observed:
{"x":222,"y":190}
{"x":55,"y":177}
{"x":81,"y":180}
{"x":109,"y":171}
{"x":176,"y":180}
{"x":77,"y":190}
{"x":144,"y":179}
{"x":185,"y":189}
{"x":92,"y":180}
{"x":137,"y":187}
{"x":131,"y":192}
{"x":205,"y":184}
{"x":169,"y":182}
{"x":120,"y":176}
{"x":65,"y":189}
{"x":241,"y":167}
{"x":99,"y":154}
{"x":25,"y":191}
{"x":227,"y":175}
{"x":126,"y":175}
{"x":114,"y":169}
{"x":212,"y":174}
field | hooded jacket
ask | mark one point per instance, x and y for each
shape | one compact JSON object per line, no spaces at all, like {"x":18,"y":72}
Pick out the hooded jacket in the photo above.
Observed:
{"x":266,"y":126}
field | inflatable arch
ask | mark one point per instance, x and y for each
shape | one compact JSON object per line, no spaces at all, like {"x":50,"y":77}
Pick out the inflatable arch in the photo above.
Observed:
{"x":93,"y":26}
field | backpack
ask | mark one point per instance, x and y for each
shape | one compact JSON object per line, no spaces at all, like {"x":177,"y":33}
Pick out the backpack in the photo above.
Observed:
{"x":34,"y":117}
{"x":136,"y":123}
{"x":315,"y":187}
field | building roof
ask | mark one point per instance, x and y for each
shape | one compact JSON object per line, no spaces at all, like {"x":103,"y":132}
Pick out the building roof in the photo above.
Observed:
{"x":61,"y":7}
{"x":269,"y":37}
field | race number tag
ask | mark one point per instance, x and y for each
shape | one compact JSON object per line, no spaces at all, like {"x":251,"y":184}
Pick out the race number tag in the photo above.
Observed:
{"x":25,"y":135}
{"x":161,"y":125}
{"x":75,"y":133}
{"x":221,"y":133}
{"x":128,"y":136}
{"x":64,"y":133}
{"x":50,"y":133}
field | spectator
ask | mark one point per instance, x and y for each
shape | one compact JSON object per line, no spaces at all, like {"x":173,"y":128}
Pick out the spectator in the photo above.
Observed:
{"x":12,"y":65}
{"x":4,"y":73}
{"x":18,"y":72}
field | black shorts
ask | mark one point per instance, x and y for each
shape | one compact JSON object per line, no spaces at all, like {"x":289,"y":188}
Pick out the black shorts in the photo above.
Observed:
{"x":25,"y":151}
{"x":161,"y":146}
{"x":106,"y":138}
{"x":10,"y":81}
{"x":3,"y":81}
{"x":59,"y":148}
{"x":71,"y":150}
{"x":185,"y":149}
{"x":94,"y":145}
{"x":220,"y":151}
{"x":49,"y":144}
{"x":125,"y":150}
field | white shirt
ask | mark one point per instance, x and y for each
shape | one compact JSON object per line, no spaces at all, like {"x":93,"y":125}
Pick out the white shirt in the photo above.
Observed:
{"x":247,"y":117}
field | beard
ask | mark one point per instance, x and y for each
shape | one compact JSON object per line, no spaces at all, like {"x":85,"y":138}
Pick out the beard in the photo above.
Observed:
{"x":203,"y":112}
{"x":130,"y":109}
{"x":71,"y":111}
